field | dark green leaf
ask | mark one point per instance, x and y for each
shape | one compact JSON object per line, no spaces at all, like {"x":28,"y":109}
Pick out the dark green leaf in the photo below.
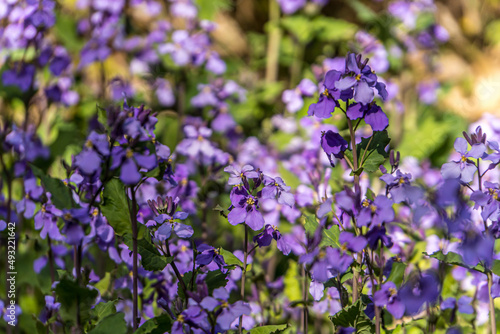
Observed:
{"x":268,"y":329}
{"x":156,"y":325}
{"x":114,"y":323}
{"x":397,"y":273}
{"x":115,"y":207}
{"x":151,"y":259}
{"x":102,"y":310}
{"x":70,"y":294}
{"x":354,"y":316}
{"x":364,"y":13}
{"x":375,"y":151}
{"x":61,"y":194}
{"x":215,"y":279}
{"x":330,"y":236}
{"x":157,"y":172}
{"x":299,"y":26}
{"x":455,"y":259}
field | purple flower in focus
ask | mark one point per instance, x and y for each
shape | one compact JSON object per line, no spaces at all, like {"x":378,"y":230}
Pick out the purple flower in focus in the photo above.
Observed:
{"x":131,"y":162}
{"x":276,"y":188}
{"x":333,"y":143}
{"x":269,"y":233}
{"x":237,"y":177}
{"x":376,"y":212}
{"x":31,"y":192}
{"x":419,"y":291}
{"x":245,"y":209}
{"x":463,"y":169}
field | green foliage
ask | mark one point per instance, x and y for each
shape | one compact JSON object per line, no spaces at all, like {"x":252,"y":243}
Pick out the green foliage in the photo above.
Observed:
{"x":456,"y":259}
{"x":156,"y":325}
{"x":215,"y":279}
{"x":330,"y":236}
{"x":397,"y":273}
{"x":113,"y":323}
{"x":209,"y":9}
{"x":151,"y":259}
{"x":292,"y":286}
{"x":72,"y":296}
{"x":373,"y":151}
{"x":354,"y":316}
{"x":103,"y":310}
{"x":61,"y":195}
{"x":115,"y":207}
{"x":268,"y":329}
{"x":230,"y":258}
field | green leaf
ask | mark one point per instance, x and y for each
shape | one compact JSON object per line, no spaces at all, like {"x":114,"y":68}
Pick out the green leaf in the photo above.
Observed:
{"x":455,"y":259}
{"x":268,"y":329}
{"x":114,"y":323}
{"x":70,"y":294}
{"x":364,"y":13}
{"x":103,"y":284}
{"x":61,"y":194}
{"x":115,"y":207}
{"x":299,"y":26}
{"x":151,"y":259}
{"x":330,"y":236}
{"x":102,"y":310}
{"x":375,"y":152}
{"x":329,"y":29}
{"x":495,"y":268}
{"x":156,"y":325}
{"x":66,"y":31}
{"x":209,"y":9}
{"x":230,"y":258}
{"x":215,"y":279}
{"x":157,"y":172}
{"x":186,"y":278}
{"x":354,"y":316}
{"x":397,"y":273}
{"x":291,"y":282}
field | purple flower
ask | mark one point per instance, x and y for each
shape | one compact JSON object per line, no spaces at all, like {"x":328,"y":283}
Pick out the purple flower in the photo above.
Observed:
{"x":400,"y":189}
{"x":378,"y":234}
{"x":21,"y":75}
{"x":464,"y":168}
{"x":237,"y":177}
{"x":167,"y":224}
{"x":351,"y":242}
{"x":196,"y":142}
{"x":375,"y":213}
{"x":276,"y":188}
{"x":31,"y":192}
{"x":245,"y":209}
{"x":463,"y":304}
{"x":267,"y":235}
{"x":46,"y":219}
{"x":477,"y":248}
{"x":207,"y":255}
{"x":293,"y":97}
{"x":291,"y":6}
{"x":131,"y":162}
{"x":388,"y":296}
{"x":418,"y":291}
{"x":333,"y":143}
{"x":89,"y":160}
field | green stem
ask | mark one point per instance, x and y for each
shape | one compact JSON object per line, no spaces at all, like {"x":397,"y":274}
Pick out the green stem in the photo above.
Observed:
{"x":133,"y":216}
{"x":273,"y":45}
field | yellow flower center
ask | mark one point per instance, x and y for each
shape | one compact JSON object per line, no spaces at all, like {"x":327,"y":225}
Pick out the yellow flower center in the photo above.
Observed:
{"x":67,"y":216}
{"x":250,"y":201}
{"x":224,"y":304}
{"x":27,"y":196}
{"x":89,"y":143}
{"x":183,"y":248}
{"x":153,"y":140}
{"x":365,"y":203}
{"x":95,"y":212}
{"x":358,"y":77}
{"x":180,"y":318}
{"x":464,"y":158}
{"x":184,"y":182}
{"x":401,"y":180}
{"x":129,"y":154}
{"x":44,"y":209}
{"x":392,"y":291}
{"x":321,"y":254}
{"x":200,"y":138}
{"x":373,"y":208}
{"x":343,"y":247}
{"x":326,"y":92}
